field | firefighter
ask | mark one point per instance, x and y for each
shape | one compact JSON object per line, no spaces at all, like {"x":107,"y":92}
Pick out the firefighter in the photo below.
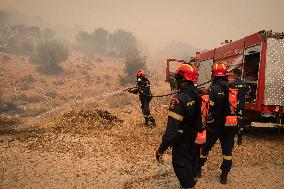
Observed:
{"x":242,"y":88}
{"x":218,"y":110}
{"x":184,"y":120}
{"x":143,"y":88}
{"x":201,"y":136}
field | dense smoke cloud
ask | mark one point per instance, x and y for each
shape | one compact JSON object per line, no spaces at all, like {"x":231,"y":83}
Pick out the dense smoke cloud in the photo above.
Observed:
{"x":157,"y":23}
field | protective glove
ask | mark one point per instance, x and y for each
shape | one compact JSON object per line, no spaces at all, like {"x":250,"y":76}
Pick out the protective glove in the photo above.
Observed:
{"x":240,"y":113}
{"x":159,"y":157}
{"x":129,"y":90}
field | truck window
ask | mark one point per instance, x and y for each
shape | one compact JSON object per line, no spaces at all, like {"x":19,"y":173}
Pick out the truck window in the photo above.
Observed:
{"x":205,"y":72}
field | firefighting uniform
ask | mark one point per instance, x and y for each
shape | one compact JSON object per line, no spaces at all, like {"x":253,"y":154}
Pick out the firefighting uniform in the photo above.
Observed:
{"x":143,"y":86}
{"x":184,"y":120}
{"x":242,"y":88}
{"x":201,"y":136}
{"x":218,"y":110}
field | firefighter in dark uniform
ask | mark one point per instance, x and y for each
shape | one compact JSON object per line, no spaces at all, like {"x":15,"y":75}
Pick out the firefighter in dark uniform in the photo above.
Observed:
{"x":242,"y":88}
{"x":143,"y":88}
{"x":218,"y":111}
{"x":184,"y":120}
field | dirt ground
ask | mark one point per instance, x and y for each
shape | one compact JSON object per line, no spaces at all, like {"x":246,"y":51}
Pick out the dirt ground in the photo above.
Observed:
{"x":54,"y":134}
{"x":88,"y":147}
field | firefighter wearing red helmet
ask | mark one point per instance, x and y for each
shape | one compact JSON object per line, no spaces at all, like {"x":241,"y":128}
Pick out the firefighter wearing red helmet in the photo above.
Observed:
{"x":219,"y":70}
{"x":216,"y":129}
{"x":140,"y":74}
{"x":143,"y":88}
{"x":184,"y":120}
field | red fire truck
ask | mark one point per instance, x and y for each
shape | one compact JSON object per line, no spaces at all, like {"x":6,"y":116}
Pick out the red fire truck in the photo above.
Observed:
{"x":260,"y":57}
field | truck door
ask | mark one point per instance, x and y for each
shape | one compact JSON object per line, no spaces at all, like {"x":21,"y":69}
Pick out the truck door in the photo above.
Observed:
{"x":251,"y":71}
{"x":274,"y":72}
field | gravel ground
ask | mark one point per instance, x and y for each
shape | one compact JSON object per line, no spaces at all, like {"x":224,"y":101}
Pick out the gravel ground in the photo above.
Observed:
{"x":113,"y":150}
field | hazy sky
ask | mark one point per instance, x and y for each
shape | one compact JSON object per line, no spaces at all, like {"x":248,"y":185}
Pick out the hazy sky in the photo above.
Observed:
{"x":202,"y":23}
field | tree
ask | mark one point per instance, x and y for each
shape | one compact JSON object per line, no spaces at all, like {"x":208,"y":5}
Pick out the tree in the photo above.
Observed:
{"x":133,"y":63}
{"x":121,"y":42}
{"x":83,"y":43}
{"x":19,"y":39}
{"x":48,"y":34}
{"x":90,"y":43}
{"x":99,"y":39}
{"x":3,"y":18}
{"x":48,"y":55}
{"x":102,"y":42}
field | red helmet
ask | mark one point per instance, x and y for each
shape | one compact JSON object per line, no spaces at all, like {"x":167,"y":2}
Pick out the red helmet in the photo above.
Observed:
{"x":219,"y":69}
{"x":139,"y":74}
{"x":188,"y":72}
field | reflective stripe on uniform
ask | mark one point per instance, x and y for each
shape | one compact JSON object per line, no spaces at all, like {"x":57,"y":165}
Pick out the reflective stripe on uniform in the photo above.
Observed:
{"x":190,"y":103}
{"x":175,"y":116}
{"x":227,"y":157}
{"x":180,"y":131}
{"x":202,"y":156}
{"x":228,"y":125}
{"x":197,"y":142}
{"x":211,"y":103}
{"x":210,"y":121}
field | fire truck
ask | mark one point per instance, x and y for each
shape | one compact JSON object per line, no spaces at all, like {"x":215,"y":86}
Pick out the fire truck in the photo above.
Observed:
{"x":260,"y":58}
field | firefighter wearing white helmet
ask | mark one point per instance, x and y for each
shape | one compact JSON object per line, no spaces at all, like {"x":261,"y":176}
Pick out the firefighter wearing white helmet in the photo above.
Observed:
{"x":184,"y":120}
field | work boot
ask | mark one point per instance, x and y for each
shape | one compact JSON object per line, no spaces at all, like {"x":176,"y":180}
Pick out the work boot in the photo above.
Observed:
{"x":240,"y":137}
{"x":223,"y":178}
{"x":152,"y":121}
{"x":146,"y":121}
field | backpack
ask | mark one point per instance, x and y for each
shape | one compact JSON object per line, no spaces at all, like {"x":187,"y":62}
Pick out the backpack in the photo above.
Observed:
{"x":231,"y":118}
{"x":201,"y":136}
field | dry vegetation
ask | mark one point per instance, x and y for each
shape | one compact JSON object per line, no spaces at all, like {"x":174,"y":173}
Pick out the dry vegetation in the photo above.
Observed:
{"x":75,"y":130}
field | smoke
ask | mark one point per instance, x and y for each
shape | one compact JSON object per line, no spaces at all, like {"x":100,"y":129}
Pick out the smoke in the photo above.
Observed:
{"x":202,"y":24}
{"x":10,"y":18}
{"x":178,"y":50}
{"x":70,"y":32}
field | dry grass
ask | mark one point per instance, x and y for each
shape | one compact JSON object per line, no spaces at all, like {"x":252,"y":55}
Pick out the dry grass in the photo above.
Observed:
{"x":77,"y":134}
